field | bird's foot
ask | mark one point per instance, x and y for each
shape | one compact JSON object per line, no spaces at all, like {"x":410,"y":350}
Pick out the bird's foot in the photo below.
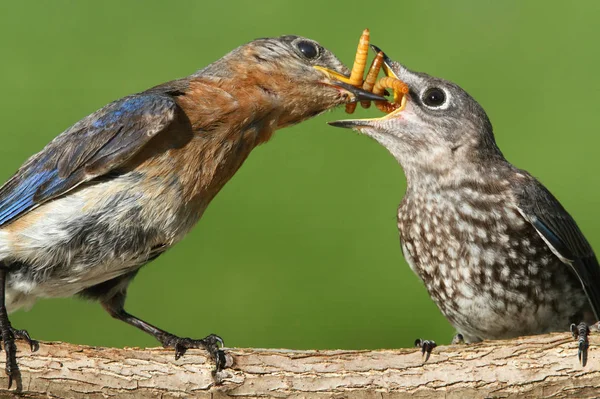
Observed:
{"x":426,"y":346}
{"x":458,"y":339}
{"x":9,"y":335}
{"x":580,"y":333}
{"x":212,"y":343}
{"x":8,"y":343}
{"x":24,"y":335}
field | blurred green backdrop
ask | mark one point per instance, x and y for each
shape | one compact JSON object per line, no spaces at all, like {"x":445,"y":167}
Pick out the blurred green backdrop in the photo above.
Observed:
{"x":300,"y":249}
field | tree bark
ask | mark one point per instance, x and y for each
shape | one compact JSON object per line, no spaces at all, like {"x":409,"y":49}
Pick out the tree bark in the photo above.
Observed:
{"x":544,"y":366}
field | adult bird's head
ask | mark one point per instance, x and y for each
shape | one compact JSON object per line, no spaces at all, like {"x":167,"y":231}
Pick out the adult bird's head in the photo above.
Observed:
{"x":298,"y":74}
{"x":437,"y":126}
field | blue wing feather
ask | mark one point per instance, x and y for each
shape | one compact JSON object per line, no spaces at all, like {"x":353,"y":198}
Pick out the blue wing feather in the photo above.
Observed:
{"x":21,"y":197}
{"x":104,"y":139}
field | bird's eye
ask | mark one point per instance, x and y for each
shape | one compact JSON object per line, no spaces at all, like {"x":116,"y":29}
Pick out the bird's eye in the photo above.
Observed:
{"x":308,"y":49}
{"x":434,"y":97}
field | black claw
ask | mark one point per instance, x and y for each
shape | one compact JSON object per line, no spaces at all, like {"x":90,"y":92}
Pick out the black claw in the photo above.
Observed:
{"x":458,"y":339}
{"x":24,"y":335}
{"x":213,"y":340}
{"x":179,"y":350}
{"x":11,"y":368}
{"x":582,"y":353}
{"x":426,"y":347}
{"x":220,"y":360}
{"x":9,"y":335}
{"x":211,"y":343}
{"x":574,"y":330}
{"x":580,"y":333}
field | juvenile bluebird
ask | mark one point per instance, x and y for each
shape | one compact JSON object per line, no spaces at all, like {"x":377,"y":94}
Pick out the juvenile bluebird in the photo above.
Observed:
{"x":124,"y":184}
{"x":497,"y":252}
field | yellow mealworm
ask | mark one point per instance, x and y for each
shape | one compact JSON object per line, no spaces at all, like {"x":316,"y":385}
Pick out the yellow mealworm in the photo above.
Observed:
{"x":358,"y":68}
{"x":371,"y":78}
{"x":400,"y":89}
{"x":360,"y":60}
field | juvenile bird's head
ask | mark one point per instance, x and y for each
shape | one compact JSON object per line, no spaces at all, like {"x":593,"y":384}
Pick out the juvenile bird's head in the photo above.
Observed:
{"x":297,"y":74}
{"x":437,"y":126}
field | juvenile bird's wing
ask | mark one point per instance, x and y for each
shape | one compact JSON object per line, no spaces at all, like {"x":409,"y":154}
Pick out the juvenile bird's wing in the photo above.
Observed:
{"x":562,"y":235}
{"x":90,"y":148}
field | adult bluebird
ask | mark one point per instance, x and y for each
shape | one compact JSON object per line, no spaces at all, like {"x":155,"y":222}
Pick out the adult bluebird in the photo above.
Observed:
{"x":495,"y":249}
{"x":124,"y":184}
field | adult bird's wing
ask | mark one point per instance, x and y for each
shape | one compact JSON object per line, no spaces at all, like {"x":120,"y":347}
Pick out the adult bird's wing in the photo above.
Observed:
{"x":92,"y":147}
{"x":562,"y":235}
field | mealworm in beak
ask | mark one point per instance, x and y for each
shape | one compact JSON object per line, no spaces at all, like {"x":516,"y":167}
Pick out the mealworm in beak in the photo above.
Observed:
{"x":371,"y":78}
{"x":358,"y":68}
{"x":400,"y":90}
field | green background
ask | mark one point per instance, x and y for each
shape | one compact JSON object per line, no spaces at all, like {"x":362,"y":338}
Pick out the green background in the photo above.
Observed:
{"x":300,"y":249}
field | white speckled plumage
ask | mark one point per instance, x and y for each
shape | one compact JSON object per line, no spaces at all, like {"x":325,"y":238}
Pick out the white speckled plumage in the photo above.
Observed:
{"x":484,"y":278}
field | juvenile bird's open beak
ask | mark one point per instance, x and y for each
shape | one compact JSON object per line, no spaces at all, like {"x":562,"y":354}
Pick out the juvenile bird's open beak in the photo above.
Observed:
{"x":358,"y":123}
{"x":336,"y":79}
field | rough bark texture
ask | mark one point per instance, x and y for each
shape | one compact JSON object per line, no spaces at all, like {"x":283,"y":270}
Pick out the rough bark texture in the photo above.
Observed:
{"x":535,"y":367}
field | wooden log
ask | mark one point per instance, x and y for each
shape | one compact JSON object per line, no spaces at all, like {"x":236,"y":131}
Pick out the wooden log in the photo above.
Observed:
{"x":543,"y":366}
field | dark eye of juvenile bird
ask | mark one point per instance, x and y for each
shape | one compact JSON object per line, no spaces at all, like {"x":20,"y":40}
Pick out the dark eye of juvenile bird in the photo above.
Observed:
{"x":434,"y":97}
{"x":308,"y":49}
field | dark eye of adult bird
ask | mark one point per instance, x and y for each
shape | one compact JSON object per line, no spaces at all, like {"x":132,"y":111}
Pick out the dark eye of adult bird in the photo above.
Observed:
{"x":434,"y":97}
{"x":308,"y":49}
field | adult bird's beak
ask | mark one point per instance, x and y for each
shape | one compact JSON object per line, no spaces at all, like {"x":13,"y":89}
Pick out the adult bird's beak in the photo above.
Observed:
{"x":362,"y":123}
{"x":359,"y":94}
{"x":338,"y":80}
